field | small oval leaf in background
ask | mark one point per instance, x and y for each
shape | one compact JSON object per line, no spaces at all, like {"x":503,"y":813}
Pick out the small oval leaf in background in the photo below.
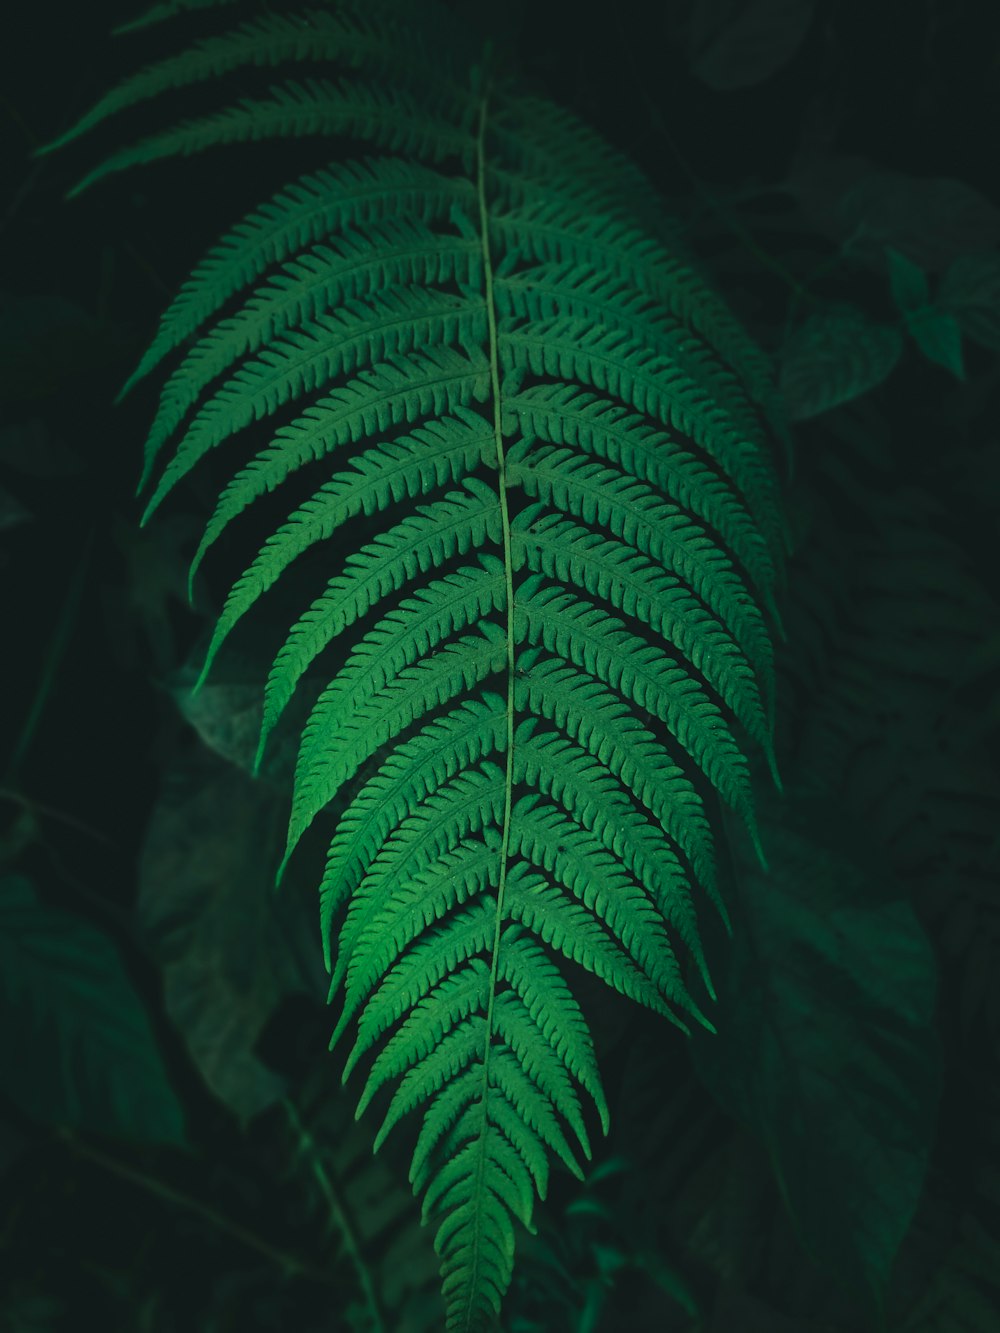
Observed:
{"x":933,"y":329}
{"x":938,"y":336}
{"x":738,"y":43}
{"x":834,"y":356}
{"x":863,"y":207}
{"x":76,"y":1045}
{"x":826,"y":1048}
{"x":932,"y":220}
{"x":12,"y":511}
{"x":970,"y":291}
{"x":907,"y":281}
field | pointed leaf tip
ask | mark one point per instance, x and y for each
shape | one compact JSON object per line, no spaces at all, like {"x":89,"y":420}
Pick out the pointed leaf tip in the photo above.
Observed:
{"x":258,"y":758}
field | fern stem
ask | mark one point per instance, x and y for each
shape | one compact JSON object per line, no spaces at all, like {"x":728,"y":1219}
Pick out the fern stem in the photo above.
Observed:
{"x":339,"y":1214}
{"x":509,"y":576}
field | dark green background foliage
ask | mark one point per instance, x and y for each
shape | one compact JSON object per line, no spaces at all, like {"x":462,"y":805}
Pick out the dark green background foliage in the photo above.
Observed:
{"x":174,"y":1154}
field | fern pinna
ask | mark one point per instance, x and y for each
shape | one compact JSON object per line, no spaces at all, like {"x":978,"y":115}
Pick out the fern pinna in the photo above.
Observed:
{"x":481,"y":334}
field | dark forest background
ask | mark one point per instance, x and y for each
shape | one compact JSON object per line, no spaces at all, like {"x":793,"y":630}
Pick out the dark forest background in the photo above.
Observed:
{"x":175,"y":1152}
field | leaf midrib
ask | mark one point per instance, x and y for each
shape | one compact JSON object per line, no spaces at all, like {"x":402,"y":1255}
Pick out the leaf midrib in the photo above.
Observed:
{"x":509,"y":767}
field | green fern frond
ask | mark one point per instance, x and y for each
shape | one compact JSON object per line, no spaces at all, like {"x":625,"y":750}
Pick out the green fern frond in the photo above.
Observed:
{"x":538,"y":453}
{"x":320,"y":108}
{"x":563,"y":415}
{"x":452,"y":525}
{"x":465,"y":934}
{"x":600,"y":722}
{"x":588,"y":790}
{"x":635,"y":514}
{"x":571,"y":929}
{"x":606,"y":360}
{"x":460,"y":665}
{"x":546,"y":291}
{"x":617,"y":572}
{"x":457,"y":874}
{"x":468,"y":803}
{"x":546,"y":233}
{"x":321,"y":282}
{"x":444,"y":450}
{"x":269,"y":40}
{"x":571,"y":627}
{"x":310,"y":356}
{"x":165,"y":10}
{"x":380,"y":398}
{"x":317,"y":207}
{"x":317,"y":36}
{"x":453,"y":743}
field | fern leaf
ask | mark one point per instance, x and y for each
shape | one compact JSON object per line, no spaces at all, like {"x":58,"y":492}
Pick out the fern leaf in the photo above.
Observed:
{"x":324,"y":278}
{"x":550,"y":1004}
{"x":573,"y":857}
{"x":318,"y":206}
{"x":450,"y":448}
{"x":309,"y":357}
{"x":662,"y":532}
{"x":448,"y":745}
{"x":543,"y":449}
{"x":414,"y":631}
{"x":618,"y":573}
{"x":577,"y":630}
{"x":464,"y":806}
{"x":572,"y":930}
{"x":561,"y":413}
{"x":270,"y":40}
{"x":314,"y":107}
{"x":601,"y":243}
{"x":546,"y":143}
{"x":323,"y":766}
{"x":451,"y":525}
{"x":465,"y":934}
{"x":164,"y":10}
{"x":316,"y":36}
{"x":596,"y":718}
{"x":607,"y":361}
{"x":378,"y":399}
{"x":608,"y":300}
{"x":588,"y":790}
{"x":460,"y":873}
{"x":463,"y":992}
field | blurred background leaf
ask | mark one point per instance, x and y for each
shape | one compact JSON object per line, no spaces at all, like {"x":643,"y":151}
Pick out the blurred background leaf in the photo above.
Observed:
{"x":231,"y":949}
{"x":835,"y":355}
{"x":737,"y":43}
{"x":970,"y":290}
{"x":76,"y":1048}
{"x":825,"y":1043}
